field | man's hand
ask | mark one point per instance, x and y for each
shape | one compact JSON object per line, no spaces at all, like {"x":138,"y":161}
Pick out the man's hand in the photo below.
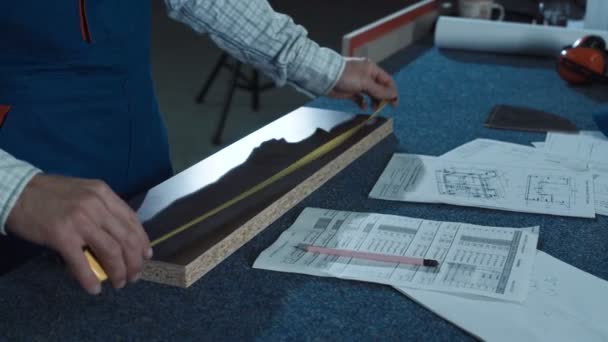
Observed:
{"x":67,"y":214}
{"x":363,"y":77}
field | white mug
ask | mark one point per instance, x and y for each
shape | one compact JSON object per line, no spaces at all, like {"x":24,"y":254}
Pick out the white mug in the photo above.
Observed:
{"x":480,"y":9}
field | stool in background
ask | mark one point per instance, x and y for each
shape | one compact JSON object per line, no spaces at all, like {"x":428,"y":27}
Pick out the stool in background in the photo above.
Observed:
{"x":238,"y":80}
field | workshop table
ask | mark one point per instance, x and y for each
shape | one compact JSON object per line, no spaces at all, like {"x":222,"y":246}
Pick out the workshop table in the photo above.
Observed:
{"x":445,"y":97}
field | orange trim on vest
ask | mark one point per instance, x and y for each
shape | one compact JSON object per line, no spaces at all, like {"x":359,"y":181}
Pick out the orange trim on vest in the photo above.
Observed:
{"x":84,"y":22}
{"x":3,"y":112}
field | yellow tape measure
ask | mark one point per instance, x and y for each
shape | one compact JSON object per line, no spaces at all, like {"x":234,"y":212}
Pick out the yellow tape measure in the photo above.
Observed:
{"x":307,"y":159}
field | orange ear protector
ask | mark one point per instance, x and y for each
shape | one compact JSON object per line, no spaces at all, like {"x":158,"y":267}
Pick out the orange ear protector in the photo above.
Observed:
{"x":584,"y":62}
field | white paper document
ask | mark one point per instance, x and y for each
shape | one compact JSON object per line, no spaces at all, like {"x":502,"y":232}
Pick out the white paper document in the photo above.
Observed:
{"x":538,"y":144}
{"x":485,"y":261}
{"x":588,"y":148}
{"x":505,"y":153}
{"x":593,"y":134}
{"x":563,"y":304}
{"x":417,"y":178}
{"x":484,"y":150}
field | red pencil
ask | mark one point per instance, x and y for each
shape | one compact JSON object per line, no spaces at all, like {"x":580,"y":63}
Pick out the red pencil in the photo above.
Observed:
{"x":369,"y":256}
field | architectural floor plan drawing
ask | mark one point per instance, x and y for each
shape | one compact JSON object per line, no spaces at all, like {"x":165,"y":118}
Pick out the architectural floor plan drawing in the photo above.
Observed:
{"x":548,"y":191}
{"x":470,"y":183}
{"x":556,"y":191}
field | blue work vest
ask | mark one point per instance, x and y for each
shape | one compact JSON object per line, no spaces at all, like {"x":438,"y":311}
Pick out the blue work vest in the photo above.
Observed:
{"x":75,"y":76}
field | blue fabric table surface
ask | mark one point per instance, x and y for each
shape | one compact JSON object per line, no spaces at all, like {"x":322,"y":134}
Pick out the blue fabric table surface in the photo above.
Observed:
{"x":445,"y":98}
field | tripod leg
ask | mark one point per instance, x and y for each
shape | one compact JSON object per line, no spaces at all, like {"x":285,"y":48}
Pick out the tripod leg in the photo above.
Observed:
{"x":216,"y":69}
{"x":255,"y":90}
{"x":217,"y":139}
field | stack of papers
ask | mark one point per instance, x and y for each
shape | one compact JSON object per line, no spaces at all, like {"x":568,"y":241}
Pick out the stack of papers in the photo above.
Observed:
{"x":499,"y":175}
{"x":491,"y":281}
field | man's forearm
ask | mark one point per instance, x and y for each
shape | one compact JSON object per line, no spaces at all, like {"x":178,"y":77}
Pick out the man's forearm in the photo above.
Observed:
{"x":252,"y":32}
{"x":14,"y":176}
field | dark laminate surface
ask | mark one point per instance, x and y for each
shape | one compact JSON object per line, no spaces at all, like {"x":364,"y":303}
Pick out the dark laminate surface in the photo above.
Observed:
{"x":220,"y":178}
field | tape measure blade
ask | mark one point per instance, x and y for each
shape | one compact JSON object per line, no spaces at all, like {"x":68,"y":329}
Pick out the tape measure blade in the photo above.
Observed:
{"x":306,"y":160}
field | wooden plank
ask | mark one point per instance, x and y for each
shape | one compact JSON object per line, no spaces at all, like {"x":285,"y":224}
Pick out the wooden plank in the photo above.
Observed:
{"x":186,"y":257}
{"x":392,"y":33}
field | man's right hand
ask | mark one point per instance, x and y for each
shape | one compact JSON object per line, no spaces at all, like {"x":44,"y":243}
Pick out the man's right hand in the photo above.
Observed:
{"x":67,"y":214}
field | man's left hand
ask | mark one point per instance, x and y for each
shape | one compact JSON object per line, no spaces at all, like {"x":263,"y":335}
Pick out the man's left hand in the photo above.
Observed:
{"x":363,"y":77}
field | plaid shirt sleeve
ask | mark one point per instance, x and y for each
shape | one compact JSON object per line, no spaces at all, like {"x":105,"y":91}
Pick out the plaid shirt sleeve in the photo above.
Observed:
{"x":251,"y":31}
{"x":14,"y":176}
